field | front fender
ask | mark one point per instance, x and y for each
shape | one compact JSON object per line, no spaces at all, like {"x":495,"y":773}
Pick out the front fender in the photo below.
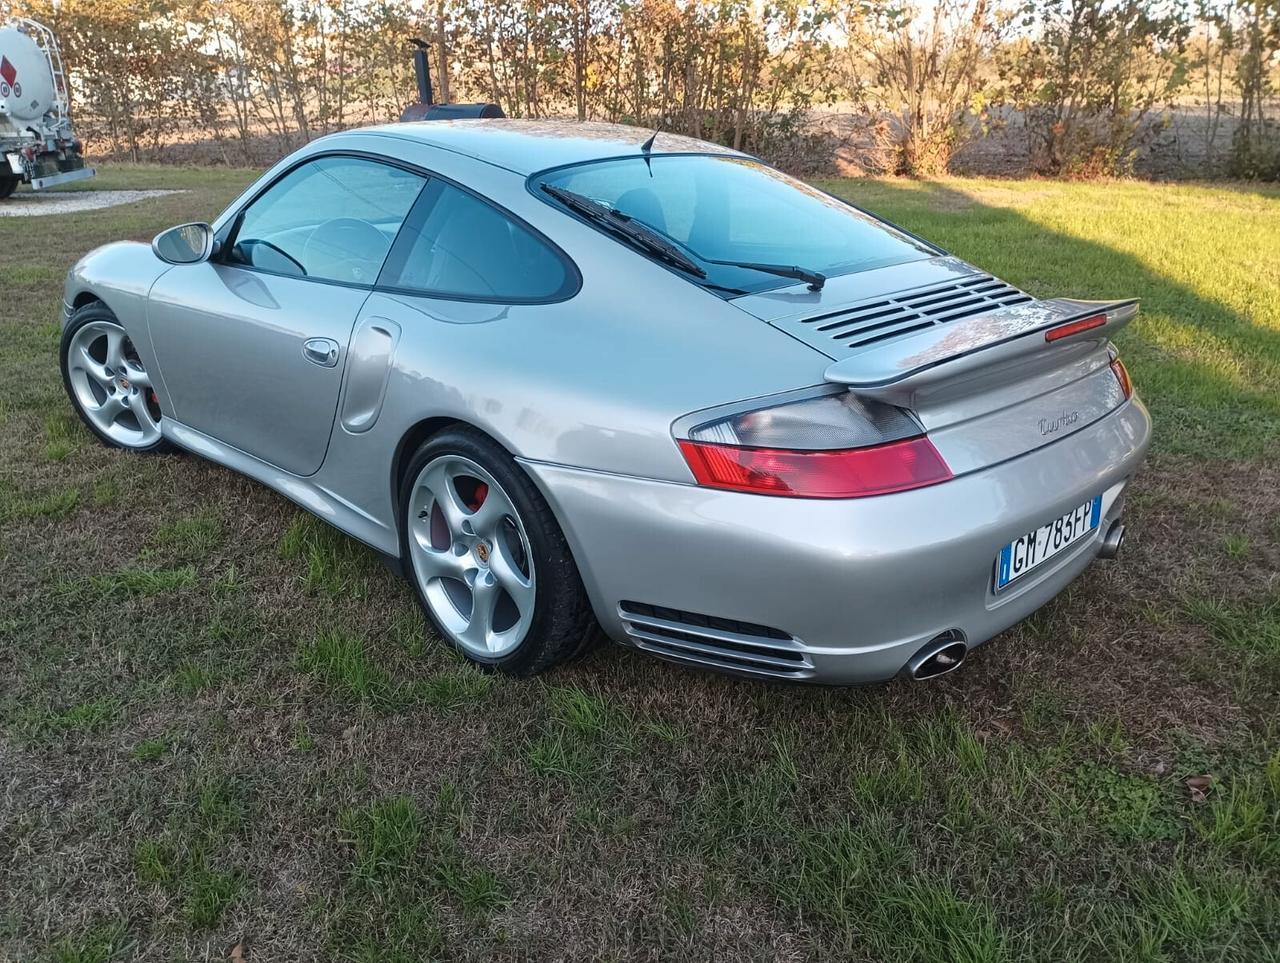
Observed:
{"x":120,"y":275}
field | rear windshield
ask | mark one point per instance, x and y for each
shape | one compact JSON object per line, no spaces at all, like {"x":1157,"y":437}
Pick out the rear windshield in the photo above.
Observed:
{"x":724,"y":208}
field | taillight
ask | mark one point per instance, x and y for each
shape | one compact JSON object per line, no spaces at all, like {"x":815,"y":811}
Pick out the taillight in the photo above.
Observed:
{"x":897,"y":466}
{"x":831,"y":446}
{"x":1122,"y":376}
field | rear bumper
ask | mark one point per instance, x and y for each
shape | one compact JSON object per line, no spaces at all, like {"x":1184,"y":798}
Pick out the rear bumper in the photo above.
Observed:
{"x":62,"y":177}
{"x":839,"y":592}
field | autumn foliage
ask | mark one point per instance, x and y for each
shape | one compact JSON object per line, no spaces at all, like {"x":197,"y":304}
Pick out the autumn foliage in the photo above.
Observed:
{"x":1084,"y":83}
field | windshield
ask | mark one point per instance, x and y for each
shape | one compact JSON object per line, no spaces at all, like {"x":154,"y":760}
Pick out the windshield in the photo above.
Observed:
{"x":720,"y":208}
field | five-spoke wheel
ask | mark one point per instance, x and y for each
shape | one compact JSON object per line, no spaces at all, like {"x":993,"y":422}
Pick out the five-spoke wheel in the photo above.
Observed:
{"x":488,"y":560}
{"x":108,"y":382}
{"x":471,"y":555}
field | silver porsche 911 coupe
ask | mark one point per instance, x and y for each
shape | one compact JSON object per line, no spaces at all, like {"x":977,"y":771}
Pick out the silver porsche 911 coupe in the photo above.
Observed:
{"x":563,"y":374}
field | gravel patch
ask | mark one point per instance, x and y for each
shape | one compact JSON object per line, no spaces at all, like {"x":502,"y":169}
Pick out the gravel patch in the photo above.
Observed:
{"x":71,"y":202}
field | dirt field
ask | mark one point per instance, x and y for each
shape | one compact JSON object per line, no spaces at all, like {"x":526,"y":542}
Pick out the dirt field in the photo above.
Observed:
{"x":225,"y":732}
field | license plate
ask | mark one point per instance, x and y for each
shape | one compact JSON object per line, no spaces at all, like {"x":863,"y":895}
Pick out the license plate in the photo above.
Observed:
{"x":1033,"y":549}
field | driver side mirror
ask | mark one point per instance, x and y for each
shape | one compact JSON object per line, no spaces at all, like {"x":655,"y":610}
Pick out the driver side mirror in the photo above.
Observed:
{"x":184,"y":244}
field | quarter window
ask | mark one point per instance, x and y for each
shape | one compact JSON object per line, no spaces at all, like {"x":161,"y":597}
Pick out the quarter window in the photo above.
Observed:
{"x":456,"y":245}
{"x":333,"y":218}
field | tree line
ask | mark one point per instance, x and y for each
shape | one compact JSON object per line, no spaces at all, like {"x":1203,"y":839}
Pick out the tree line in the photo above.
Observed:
{"x":1085,"y":82}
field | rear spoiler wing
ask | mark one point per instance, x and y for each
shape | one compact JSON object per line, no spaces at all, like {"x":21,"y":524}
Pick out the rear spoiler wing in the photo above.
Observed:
{"x":894,"y":371}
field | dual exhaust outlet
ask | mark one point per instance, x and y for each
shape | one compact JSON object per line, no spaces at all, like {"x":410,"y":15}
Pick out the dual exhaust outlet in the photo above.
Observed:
{"x":946,"y":652}
{"x":938,"y":656}
{"x":1112,"y":541}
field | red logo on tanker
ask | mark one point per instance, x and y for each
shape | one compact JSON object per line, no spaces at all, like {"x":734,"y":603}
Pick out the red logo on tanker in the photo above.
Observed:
{"x":8,"y":71}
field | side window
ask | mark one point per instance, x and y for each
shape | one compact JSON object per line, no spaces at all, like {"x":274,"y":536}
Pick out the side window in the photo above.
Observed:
{"x":333,"y":218}
{"x":456,"y":245}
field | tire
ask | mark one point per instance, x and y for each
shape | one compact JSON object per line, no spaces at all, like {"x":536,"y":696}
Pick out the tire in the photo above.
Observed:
{"x":107,"y":383}
{"x":8,"y":185}
{"x":502,"y":535}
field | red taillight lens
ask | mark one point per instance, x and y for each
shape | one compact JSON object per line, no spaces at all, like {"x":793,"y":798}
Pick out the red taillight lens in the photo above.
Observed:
{"x":846,"y":473}
{"x":1075,"y":327}
{"x":1122,"y":376}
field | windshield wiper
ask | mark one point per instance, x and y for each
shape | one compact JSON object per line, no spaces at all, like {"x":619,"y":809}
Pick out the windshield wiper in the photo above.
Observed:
{"x":652,"y":241}
{"x":813,"y":278}
{"x":638,"y":233}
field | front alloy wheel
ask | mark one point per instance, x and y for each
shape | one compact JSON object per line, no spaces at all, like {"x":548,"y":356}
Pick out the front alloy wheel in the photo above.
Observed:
{"x":108,"y":383}
{"x":488,"y":560}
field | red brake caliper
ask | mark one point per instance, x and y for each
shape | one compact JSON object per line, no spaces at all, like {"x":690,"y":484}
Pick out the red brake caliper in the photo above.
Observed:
{"x":478,"y":496}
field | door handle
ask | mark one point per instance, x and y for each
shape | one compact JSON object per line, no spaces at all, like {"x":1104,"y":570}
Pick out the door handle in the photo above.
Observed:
{"x":320,"y":351}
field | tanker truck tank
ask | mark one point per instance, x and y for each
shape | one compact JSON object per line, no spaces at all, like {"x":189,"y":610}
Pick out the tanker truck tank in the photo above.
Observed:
{"x":37,"y":144}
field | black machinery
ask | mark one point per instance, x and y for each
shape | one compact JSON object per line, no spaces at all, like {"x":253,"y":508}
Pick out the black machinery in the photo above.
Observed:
{"x":426,"y":108}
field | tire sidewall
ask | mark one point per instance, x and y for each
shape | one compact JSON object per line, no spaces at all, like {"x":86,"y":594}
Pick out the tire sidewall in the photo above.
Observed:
{"x":521,"y":659}
{"x":81,"y":317}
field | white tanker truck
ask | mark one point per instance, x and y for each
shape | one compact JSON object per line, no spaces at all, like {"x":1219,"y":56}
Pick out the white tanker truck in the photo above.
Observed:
{"x":36,"y":141}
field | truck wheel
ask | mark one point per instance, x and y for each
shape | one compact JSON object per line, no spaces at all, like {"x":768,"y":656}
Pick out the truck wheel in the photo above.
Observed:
{"x":8,"y":185}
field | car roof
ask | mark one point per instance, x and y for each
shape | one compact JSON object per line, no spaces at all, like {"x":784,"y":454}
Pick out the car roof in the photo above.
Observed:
{"x":525,"y":146}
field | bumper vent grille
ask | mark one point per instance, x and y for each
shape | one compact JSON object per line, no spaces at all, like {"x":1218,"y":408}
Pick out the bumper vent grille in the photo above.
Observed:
{"x":903,"y":313}
{"x":727,"y":645}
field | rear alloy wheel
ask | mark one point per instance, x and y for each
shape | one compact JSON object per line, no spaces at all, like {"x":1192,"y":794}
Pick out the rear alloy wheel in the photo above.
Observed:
{"x":107,"y":382}
{"x":487,"y":558}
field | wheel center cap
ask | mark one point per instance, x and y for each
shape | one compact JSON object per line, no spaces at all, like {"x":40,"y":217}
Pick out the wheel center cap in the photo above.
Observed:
{"x":482,"y":552}
{"x":124,"y":383}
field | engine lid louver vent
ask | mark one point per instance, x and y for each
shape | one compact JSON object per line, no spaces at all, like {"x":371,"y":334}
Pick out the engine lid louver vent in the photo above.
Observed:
{"x":880,"y":319}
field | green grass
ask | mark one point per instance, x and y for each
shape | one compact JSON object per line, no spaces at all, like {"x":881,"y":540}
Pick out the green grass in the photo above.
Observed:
{"x":583,"y":735}
{"x":106,"y":492}
{"x":406,"y":866}
{"x":1250,"y":627}
{"x":52,"y":505}
{"x":90,"y":716}
{"x":385,"y":837}
{"x":194,"y":537}
{"x":149,"y":750}
{"x":191,"y":678}
{"x":100,"y":943}
{"x":1126,"y":806}
{"x":223,"y":721}
{"x":62,"y":433}
{"x":1236,"y":546}
{"x":335,"y":565}
{"x":455,"y":688}
{"x":342,"y":662}
{"x":188,"y":862}
{"x":140,"y":580}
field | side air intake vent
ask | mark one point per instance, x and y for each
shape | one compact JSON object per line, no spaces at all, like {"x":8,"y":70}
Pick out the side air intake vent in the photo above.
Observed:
{"x":715,"y":643}
{"x":908,"y":311}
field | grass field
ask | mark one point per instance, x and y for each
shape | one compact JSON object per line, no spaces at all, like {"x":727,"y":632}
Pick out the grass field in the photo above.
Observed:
{"x":225,"y":732}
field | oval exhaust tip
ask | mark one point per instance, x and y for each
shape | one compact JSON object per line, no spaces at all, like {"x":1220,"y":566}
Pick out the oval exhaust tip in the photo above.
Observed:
{"x":942,"y":655}
{"x":1112,"y":541}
